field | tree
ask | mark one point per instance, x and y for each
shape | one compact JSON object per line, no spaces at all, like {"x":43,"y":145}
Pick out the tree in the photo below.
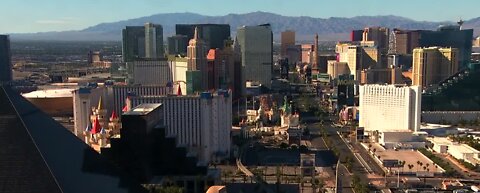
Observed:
{"x":283,"y":145}
{"x":306,"y":131}
{"x":320,"y":183}
{"x":410,"y":166}
{"x":169,"y":189}
{"x":349,"y":163}
{"x":303,"y":148}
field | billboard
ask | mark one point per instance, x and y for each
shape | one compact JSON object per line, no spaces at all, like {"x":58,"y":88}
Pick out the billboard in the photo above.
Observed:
{"x":390,"y":163}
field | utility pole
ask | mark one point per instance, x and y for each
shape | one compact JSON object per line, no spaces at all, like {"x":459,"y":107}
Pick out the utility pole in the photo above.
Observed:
{"x":385,"y":178}
{"x":398,"y":177}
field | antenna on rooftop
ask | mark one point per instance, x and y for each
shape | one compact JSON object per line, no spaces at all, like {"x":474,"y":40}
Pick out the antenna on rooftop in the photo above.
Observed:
{"x":460,"y":23}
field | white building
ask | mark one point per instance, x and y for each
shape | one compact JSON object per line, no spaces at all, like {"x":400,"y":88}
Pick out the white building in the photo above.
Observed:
{"x":202,"y":123}
{"x":387,"y":108}
{"x":83,"y":101}
{"x":457,"y":150}
{"x":179,"y":71}
{"x":401,"y":140}
{"x":152,"y":72}
{"x":119,"y":93}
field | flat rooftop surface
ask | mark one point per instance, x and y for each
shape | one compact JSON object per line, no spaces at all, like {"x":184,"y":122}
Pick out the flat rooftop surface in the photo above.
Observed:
{"x":409,"y":156}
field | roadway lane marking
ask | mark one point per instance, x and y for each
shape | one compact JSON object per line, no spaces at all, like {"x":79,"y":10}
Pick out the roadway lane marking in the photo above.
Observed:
{"x":362,"y":162}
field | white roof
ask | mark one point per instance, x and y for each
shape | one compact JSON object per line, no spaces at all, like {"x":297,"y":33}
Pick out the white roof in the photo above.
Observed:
{"x":50,"y":93}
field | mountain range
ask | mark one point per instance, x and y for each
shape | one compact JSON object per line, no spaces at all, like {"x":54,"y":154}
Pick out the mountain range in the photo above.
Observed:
{"x":329,"y":29}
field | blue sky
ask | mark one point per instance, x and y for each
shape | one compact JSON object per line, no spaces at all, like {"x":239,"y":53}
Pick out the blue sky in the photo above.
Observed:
{"x":20,"y":16}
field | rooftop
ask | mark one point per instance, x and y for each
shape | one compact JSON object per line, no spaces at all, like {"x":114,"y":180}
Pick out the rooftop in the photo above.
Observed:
{"x":463,"y":148}
{"x":50,"y":93}
{"x":143,"y":109}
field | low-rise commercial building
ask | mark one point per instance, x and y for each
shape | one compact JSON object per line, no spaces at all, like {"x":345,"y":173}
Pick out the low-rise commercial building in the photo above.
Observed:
{"x":457,"y":150}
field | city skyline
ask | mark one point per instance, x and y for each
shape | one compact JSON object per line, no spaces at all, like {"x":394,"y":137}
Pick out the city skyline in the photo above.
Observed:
{"x":71,"y":15}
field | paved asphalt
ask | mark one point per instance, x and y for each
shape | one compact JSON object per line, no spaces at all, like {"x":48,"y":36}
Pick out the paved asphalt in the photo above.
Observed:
{"x":345,"y":176}
{"x":344,"y":180}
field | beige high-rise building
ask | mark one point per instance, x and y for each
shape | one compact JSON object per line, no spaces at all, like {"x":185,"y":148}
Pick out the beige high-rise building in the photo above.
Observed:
{"x":197,"y":58}
{"x":372,"y":59}
{"x":380,"y":35}
{"x":334,"y":68}
{"x":288,"y":39}
{"x":307,"y":52}
{"x":432,"y":65}
{"x":381,"y":76}
{"x":358,"y":57}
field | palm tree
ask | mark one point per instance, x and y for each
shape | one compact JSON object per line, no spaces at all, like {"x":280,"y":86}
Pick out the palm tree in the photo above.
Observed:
{"x":410,"y":166}
{"x":401,"y":164}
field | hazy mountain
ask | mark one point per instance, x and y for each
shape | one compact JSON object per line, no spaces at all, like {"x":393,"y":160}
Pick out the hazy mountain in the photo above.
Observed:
{"x":334,"y":28}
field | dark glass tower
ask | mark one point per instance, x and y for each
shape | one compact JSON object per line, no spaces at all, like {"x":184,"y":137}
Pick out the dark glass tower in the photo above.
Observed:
{"x":450,"y":36}
{"x":133,"y":43}
{"x":5,"y":59}
{"x":214,"y":35}
{"x":177,"y":45}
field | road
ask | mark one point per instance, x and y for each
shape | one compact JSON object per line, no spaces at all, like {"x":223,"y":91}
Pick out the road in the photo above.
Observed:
{"x":372,"y":164}
{"x":344,"y":180}
{"x":342,"y":147}
{"x":258,"y":179}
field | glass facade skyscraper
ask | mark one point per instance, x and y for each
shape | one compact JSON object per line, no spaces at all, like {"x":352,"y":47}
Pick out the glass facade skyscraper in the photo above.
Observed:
{"x":177,"y":45}
{"x":214,"y":35}
{"x":142,"y":42}
{"x":450,"y":36}
{"x":256,"y":44}
{"x":133,"y":43}
{"x":154,"y":41}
